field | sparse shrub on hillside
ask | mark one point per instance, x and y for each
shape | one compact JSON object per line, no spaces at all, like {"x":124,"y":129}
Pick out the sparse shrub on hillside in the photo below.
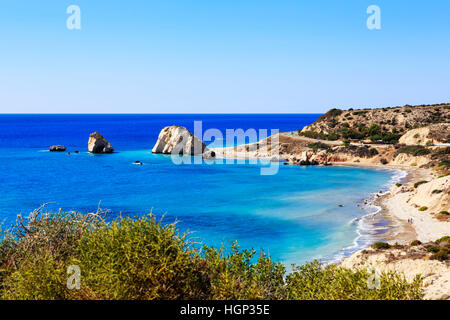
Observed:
{"x":441,"y":255}
{"x":348,"y":133}
{"x":433,"y":249}
{"x":424,"y":208}
{"x":414,"y":150}
{"x":318,"y":145}
{"x":373,"y":152}
{"x":335,"y":112}
{"x":443,"y":152}
{"x":314,"y":135}
{"x":389,"y":138}
{"x":419,"y":183}
{"x":381,"y":245}
{"x":360,"y":113}
{"x":443,"y":239}
{"x":445,"y":163}
{"x":333,"y":137}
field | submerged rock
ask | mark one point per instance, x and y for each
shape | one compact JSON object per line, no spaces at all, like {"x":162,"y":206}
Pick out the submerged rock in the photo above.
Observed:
{"x":98,"y":144}
{"x":179,"y":140}
{"x":57,"y":148}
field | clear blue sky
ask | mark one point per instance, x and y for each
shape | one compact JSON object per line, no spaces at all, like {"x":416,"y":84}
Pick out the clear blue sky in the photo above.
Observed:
{"x":205,"y":56}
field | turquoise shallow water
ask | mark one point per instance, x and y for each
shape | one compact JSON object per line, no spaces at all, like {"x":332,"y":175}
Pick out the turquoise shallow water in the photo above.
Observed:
{"x":294,"y":215}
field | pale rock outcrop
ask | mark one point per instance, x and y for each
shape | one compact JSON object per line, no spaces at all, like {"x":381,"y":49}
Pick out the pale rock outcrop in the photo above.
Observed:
{"x":410,"y":160}
{"x":98,"y":144}
{"x":433,"y":134}
{"x":435,"y":274}
{"x":416,"y":137}
{"x":178,"y":140}
{"x":434,"y":195}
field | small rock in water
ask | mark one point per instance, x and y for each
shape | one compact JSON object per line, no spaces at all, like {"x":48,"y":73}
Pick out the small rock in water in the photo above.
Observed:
{"x":209,"y":155}
{"x":57,"y":148}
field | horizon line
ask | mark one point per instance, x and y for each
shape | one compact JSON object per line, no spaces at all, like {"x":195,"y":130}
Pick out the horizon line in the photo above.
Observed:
{"x":171,"y":113}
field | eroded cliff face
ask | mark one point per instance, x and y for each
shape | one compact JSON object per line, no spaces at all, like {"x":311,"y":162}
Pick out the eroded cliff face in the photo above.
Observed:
{"x":410,"y":261}
{"x":433,"y":134}
{"x":434,"y":195}
{"x":178,"y":140}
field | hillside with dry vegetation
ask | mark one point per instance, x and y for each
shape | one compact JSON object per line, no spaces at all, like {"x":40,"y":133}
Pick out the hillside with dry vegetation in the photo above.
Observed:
{"x":384,"y":125}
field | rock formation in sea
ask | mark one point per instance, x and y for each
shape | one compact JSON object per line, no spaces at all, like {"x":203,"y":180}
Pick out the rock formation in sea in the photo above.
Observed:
{"x":179,"y":140}
{"x":57,"y":148}
{"x":98,"y":144}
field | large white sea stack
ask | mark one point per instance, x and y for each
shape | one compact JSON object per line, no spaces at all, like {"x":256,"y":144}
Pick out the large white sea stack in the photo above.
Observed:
{"x":178,"y":140}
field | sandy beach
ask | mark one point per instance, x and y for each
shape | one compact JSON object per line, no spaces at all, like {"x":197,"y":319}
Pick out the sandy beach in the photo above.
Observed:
{"x":402,"y":204}
{"x":397,"y":208}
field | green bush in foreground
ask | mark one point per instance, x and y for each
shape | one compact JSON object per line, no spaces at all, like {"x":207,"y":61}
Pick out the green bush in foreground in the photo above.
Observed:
{"x":311,"y":282}
{"x":143,"y":258}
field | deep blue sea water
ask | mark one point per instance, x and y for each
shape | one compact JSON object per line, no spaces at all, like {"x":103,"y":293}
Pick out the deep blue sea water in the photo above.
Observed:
{"x":294,"y":215}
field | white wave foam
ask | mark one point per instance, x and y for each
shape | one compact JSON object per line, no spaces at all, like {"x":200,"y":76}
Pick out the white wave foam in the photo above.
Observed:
{"x":366,"y":229}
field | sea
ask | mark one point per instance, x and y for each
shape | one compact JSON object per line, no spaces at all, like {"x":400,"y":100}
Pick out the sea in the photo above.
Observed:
{"x":296,"y":215}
